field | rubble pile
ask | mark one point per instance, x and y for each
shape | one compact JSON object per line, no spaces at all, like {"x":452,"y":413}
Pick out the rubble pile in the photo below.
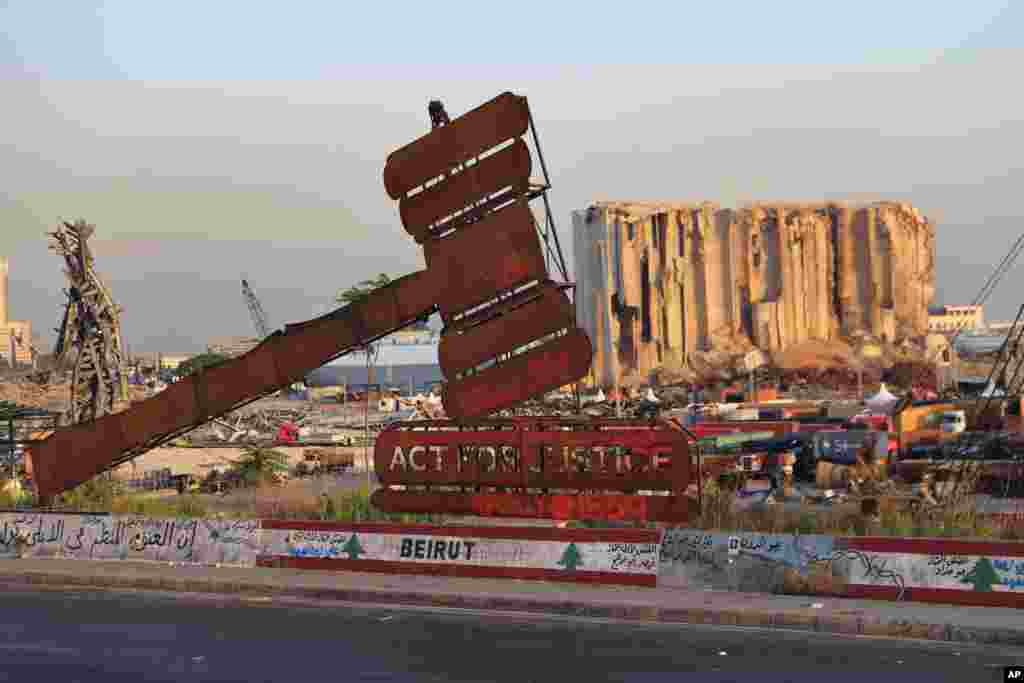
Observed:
{"x":52,"y":396}
{"x":263,"y":421}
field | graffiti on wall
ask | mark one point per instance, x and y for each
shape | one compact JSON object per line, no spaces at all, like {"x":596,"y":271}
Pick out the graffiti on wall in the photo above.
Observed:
{"x":736,"y":561}
{"x":951,"y":572}
{"x":845,"y":563}
{"x":1009,"y":572}
{"x":102,"y":537}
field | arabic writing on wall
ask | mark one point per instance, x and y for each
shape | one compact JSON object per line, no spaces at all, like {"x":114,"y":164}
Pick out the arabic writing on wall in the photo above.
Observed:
{"x":685,"y":546}
{"x":109,"y":537}
{"x":681,"y":546}
{"x":955,"y":566}
{"x":627,"y":557}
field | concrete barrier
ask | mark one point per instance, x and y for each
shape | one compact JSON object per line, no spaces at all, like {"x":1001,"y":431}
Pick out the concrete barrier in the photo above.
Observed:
{"x":116,"y":537}
{"x":931,"y":570}
{"x":610,"y":556}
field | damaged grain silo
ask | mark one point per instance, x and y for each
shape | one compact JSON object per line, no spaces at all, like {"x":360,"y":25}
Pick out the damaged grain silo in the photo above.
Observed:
{"x":659,"y":282}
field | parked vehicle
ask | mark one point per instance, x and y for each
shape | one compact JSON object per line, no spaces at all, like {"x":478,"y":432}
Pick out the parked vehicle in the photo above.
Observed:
{"x":954,"y":421}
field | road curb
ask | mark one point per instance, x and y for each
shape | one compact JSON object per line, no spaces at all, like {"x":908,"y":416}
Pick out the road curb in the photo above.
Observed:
{"x":800,"y":620}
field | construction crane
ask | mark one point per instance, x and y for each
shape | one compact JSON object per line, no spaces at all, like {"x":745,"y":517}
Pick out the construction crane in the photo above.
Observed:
{"x":259,"y":316}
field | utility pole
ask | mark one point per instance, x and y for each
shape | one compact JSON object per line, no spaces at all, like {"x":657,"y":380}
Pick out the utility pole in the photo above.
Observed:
{"x":618,"y":384}
{"x":371,"y":352}
{"x":366,"y":423}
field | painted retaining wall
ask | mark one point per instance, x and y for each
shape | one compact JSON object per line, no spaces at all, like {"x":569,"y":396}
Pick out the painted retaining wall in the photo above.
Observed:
{"x":919,"y":570}
{"x":117,"y":537}
{"x":757,"y":563}
{"x":925,"y":570}
{"x":611,"y":556}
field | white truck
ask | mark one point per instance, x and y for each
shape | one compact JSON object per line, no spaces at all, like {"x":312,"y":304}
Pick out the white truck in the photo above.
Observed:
{"x":954,"y":421}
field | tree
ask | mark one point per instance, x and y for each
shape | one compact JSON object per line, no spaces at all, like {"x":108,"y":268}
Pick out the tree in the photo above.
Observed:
{"x":983,"y":576}
{"x":571,"y":558}
{"x":359,"y":292}
{"x":353,"y":548}
{"x":259,"y":465}
{"x":200,"y":362}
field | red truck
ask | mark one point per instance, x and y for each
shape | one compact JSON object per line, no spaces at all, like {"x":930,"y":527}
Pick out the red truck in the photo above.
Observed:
{"x":878,"y":423}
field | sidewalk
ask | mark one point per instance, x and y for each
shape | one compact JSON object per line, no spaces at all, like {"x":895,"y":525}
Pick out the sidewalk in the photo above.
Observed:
{"x":660,"y":605}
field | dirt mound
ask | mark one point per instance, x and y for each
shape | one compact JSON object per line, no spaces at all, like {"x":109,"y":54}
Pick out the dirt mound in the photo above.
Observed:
{"x":815,"y":355}
{"x":53,"y":397}
{"x":30,"y":395}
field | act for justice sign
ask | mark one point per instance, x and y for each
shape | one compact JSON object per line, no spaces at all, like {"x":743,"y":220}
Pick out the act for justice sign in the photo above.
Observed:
{"x":509,"y":459}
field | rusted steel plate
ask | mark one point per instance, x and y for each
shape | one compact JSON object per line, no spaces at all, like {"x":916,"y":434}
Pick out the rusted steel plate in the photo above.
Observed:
{"x":535,"y":455}
{"x":221,"y":388}
{"x":505,"y":117}
{"x":415,"y":294}
{"x":282,"y":358}
{"x":660,"y":429}
{"x":500,"y":252}
{"x":472,"y":476}
{"x":508,"y":167}
{"x":70,"y":456}
{"x":494,"y":203}
{"x":167,"y":412}
{"x":310,"y":344}
{"x":495,"y":309}
{"x":563,"y":507}
{"x":557,"y":363}
{"x":550,"y":312}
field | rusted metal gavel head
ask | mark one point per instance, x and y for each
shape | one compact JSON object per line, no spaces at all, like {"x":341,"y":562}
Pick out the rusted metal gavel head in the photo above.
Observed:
{"x":464,"y":192}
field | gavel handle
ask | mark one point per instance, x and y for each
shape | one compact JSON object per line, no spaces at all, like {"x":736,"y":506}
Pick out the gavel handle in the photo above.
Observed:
{"x":72,"y":455}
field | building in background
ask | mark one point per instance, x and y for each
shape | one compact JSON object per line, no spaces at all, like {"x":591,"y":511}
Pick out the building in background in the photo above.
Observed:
{"x":412,"y":336}
{"x":950,"y":319}
{"x":15,"y":335}
{"x":659,"y":282}
{"x":171,"y":361}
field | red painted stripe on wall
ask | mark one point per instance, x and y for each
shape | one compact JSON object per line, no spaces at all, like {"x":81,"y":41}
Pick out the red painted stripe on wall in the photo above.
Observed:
{"x":931,"y":546}
{"x":518,"y":533}
{"x":469,"y":571}
{"x":945,"y":596}
{"x":1005,"y":518}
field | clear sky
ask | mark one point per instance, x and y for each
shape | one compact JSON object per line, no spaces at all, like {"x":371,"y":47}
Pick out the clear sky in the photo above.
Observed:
{"x":207,"y":140}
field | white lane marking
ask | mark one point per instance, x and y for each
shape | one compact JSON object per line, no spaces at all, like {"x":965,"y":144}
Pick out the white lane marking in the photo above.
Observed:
{"x":42,"y":648}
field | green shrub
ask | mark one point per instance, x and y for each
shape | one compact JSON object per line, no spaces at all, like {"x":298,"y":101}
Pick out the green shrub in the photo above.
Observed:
{"x":96,"y":495}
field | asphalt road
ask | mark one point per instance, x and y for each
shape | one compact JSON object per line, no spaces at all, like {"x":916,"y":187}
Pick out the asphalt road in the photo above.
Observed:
{"x":109,"y":637}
